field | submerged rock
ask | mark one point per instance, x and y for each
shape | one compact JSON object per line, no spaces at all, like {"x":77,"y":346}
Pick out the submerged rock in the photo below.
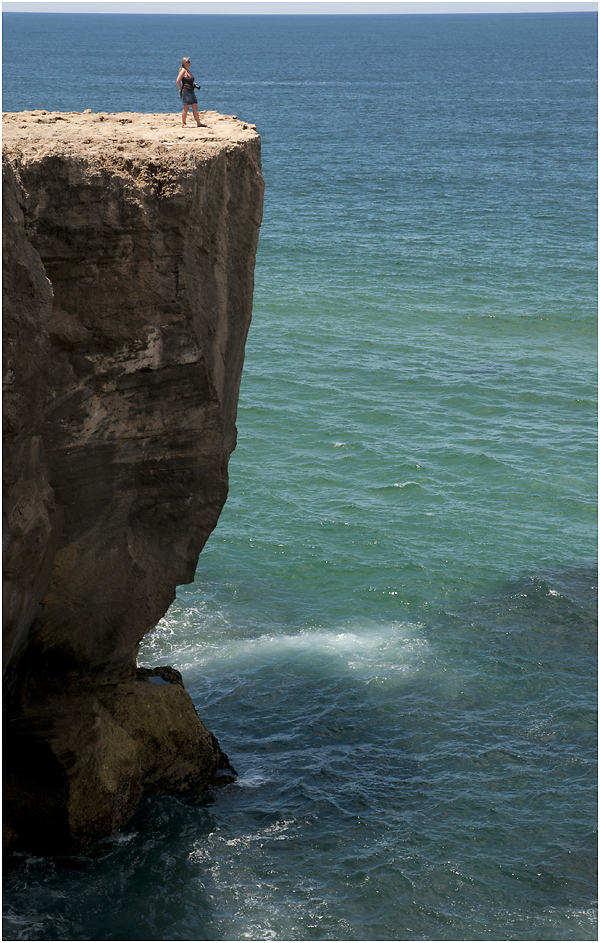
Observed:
{"x":128,"y":257}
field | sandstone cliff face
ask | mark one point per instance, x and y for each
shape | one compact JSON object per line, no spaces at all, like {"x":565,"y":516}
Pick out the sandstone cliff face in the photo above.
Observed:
{"x":129,"y":250}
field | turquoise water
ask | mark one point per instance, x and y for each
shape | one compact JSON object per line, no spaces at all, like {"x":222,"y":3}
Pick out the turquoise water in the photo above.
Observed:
{"x":392,"y":629}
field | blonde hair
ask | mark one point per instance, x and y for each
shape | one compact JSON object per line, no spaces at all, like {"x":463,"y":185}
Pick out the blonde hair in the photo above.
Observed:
{"x":185,"y":59}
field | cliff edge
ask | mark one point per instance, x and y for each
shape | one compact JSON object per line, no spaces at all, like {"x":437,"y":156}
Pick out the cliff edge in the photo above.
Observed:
{"x":128,"y":256}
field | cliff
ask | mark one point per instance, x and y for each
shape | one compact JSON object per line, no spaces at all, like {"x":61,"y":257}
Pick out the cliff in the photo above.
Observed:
{"x":128,"y":255}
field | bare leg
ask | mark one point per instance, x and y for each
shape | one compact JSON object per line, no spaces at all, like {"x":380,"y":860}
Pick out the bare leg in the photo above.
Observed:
{"x":184,"y":115}
{"x":195,"y":114}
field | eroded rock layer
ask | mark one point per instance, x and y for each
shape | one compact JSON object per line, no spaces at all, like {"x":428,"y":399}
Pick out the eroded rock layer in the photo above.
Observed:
{"x":128,"y":253}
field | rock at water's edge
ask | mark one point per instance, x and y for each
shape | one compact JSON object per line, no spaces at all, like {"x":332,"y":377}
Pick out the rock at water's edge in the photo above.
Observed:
{"x":128,"y":256}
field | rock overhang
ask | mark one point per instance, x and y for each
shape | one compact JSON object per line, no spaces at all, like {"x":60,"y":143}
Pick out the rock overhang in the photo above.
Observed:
{"x":129,"y":261}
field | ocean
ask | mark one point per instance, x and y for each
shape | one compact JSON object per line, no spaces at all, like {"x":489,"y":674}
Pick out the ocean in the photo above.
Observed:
{"x":392,"y":628}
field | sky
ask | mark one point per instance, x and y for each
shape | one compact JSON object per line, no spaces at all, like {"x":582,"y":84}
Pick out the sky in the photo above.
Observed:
{"x":281,"y":6}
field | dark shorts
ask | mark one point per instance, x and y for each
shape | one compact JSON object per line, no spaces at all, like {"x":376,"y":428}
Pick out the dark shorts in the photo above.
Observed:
{"x":188,"y":97}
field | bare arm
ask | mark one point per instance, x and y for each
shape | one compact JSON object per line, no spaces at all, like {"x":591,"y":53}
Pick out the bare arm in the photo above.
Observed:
{"x":179,"y":78}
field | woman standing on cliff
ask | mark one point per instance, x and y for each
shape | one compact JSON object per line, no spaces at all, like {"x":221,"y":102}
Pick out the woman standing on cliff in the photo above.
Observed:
{"x":185,"y":84}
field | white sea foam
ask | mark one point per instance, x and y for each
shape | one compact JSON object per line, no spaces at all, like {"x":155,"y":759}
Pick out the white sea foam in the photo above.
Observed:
{"x":370,"y":649}
{"x":367,"y":650}
{"x":252,"y":779}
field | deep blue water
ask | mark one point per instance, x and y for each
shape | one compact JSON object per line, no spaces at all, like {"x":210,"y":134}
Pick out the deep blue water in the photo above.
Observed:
{"x":392,"y":629}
